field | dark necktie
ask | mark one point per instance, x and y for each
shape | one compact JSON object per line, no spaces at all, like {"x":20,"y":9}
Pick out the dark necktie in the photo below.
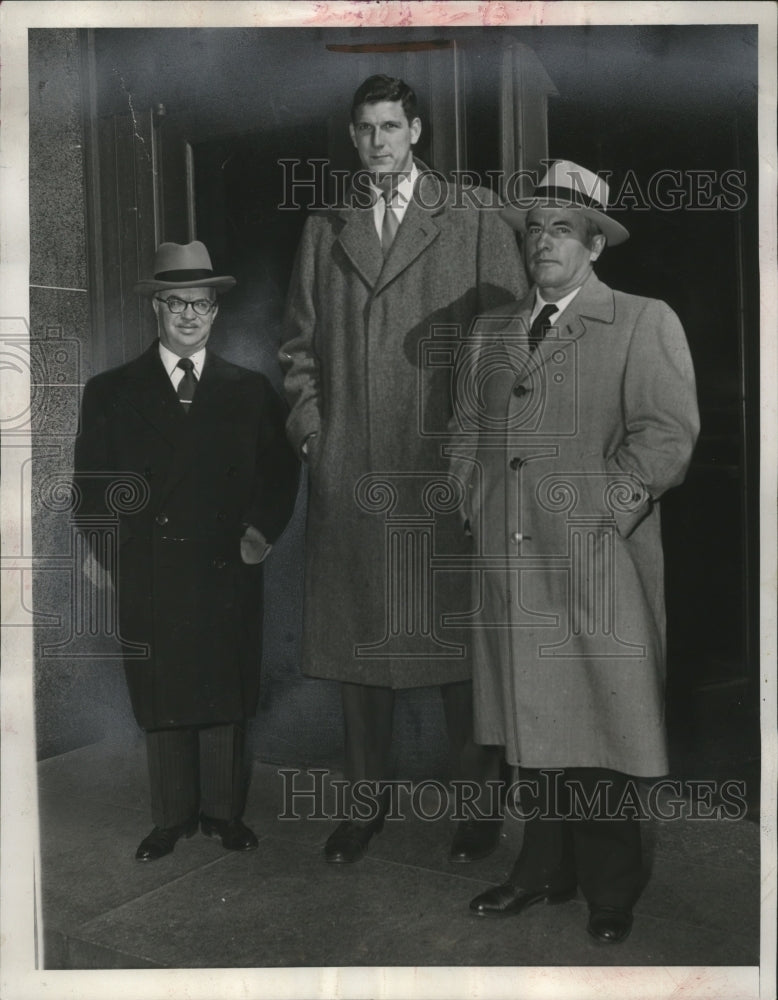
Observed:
{"x":390,"y":224}
{"x":186,"y":386}
{"x":540,"y":325}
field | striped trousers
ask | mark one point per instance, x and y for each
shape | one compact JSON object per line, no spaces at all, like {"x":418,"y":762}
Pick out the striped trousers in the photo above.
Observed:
{"x":196,"y":770}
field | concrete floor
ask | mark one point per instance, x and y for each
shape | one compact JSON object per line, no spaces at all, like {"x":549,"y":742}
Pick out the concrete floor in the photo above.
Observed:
{"x":403,"y":905}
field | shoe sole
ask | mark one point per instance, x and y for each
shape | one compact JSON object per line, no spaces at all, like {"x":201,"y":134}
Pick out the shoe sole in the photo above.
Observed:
{"x":472,"y":857}
{"x":214,"y":835}
{"x":552,"y":899}
{"x":344,"y":861}
{"x":186,"y":834}
{"x":604,"y":942}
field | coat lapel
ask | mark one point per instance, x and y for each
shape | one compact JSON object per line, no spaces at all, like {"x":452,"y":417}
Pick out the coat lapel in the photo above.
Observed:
{"x":417,"y":231}
{"x":360,"y":243}
{"x":149,"y":391}
{"x":594,"y":302}
{"x":196,"y":423}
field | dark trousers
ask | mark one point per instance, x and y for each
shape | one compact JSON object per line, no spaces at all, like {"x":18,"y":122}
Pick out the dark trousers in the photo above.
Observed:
{"x":195,"y":770}
{"x":368,"y":714}
{"x":561,"y":847}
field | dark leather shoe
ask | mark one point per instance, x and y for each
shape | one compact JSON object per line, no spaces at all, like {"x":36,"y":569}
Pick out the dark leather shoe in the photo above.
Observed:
{"x":348,"y":841}
{"x":234,"y":834}
{"x":475,"y":839}
{"x":609,"y":925}
{"x":162,"y":840}
{"x":508,"y":899}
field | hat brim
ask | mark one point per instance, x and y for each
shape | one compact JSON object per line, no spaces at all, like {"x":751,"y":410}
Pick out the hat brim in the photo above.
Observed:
{"x":150,"y":285}
{"x":613,"y":231}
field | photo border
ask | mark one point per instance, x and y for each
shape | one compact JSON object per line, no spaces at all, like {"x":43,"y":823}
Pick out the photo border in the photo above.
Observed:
{"x":20,"y":905}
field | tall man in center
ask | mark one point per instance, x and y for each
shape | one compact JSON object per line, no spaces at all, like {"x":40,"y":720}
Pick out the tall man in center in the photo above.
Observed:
{"x":405,"y":257}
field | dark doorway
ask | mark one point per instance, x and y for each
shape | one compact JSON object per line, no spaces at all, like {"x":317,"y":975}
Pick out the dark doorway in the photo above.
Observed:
{"x":239,"y":184}
{"x":703,"y":261}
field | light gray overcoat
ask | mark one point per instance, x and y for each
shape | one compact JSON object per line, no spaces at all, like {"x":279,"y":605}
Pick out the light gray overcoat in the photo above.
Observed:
{"x":368,"y":352}
{"x":564,"y":454}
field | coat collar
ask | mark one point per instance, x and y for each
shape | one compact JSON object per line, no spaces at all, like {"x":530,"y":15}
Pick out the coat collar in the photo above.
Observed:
{"x":361,"y":244}
{"x":149,"y":390}
{"x":595,"y":301}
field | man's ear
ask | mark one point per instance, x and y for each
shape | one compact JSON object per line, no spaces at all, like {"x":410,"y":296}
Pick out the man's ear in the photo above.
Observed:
{"x":353,"y":133}
{"x":415,"y":131}
{"x":155,"y":304}
{"x":597,"y":247}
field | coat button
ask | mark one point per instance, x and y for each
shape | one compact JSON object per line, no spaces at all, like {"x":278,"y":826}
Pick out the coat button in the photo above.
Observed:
{"x":516,"y":537}
{"x":516,"y":462}
{"x":148,"y":473}
{"x":220,"y":515}
{"x":520,"y":390}
{"x":219,"y":563}
{"x":161,"y":519}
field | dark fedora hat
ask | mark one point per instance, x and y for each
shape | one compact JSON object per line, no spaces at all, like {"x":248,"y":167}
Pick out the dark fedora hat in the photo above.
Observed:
{"x":569,"y":186}
{"x":183,"y":265}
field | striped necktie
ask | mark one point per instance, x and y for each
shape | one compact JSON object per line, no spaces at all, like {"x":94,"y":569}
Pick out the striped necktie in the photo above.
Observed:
{"x":186,"y":387}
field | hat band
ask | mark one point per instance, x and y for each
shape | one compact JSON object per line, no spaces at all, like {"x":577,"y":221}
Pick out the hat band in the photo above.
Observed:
{"x":191,"y":275}
{"x":568,"y":194}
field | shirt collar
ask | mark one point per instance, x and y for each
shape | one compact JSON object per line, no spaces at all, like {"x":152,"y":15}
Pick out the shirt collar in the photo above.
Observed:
{"x":170,"y":360}
{"x":405,"y":185}
{"x":561,"y":304}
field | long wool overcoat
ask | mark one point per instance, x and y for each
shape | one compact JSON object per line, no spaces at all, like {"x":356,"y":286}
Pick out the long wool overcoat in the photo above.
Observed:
{"x":564,"y":453}
{"x":182,"y":588}
{"x":368,"y":353}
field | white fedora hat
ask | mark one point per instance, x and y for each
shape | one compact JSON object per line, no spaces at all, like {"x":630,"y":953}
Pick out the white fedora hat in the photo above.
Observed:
{"x":568,"y":185}
{"x":183,"y":265}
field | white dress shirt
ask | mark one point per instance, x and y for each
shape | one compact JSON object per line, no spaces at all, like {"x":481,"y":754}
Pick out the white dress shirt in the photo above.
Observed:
{"x":170,"y":361}
{"x":401,"y":196}
{"x":561,"y":305}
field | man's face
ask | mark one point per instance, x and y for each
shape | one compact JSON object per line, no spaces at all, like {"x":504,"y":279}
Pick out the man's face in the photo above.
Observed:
{"x":383,"y":137}
{"x":556,"y":252}
{"x":184,"y":332}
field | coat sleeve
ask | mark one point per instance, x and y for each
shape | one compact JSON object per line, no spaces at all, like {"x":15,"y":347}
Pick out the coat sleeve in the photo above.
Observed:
{"x":91,"y":454}
{"x":463,"y":426}
{"x":662,"y":421}
{"x":501,"y":275}
{"x":91,"y":463}
{"x":299,"y":360}
{"x":276,"y":472}
{"x":501,"y":279}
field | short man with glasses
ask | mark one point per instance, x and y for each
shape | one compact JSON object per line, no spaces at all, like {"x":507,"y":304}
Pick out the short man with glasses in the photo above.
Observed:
{"x":202,"y":444}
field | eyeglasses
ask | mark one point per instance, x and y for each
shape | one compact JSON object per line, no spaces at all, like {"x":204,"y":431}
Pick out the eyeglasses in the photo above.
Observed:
{"x":201,"y":306}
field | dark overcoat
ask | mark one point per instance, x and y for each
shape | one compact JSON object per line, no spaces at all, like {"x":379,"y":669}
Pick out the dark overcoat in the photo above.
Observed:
{"x":181,"y":586}
{"x":368,"y":353}
{"x":565,"y":453}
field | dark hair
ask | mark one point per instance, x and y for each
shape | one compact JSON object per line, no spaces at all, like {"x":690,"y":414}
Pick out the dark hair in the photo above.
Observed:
{"x":385,"y":88}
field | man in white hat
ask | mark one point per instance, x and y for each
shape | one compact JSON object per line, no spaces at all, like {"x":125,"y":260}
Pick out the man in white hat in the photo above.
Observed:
{"x":208,"y":440}
{"x":576,"y":409}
